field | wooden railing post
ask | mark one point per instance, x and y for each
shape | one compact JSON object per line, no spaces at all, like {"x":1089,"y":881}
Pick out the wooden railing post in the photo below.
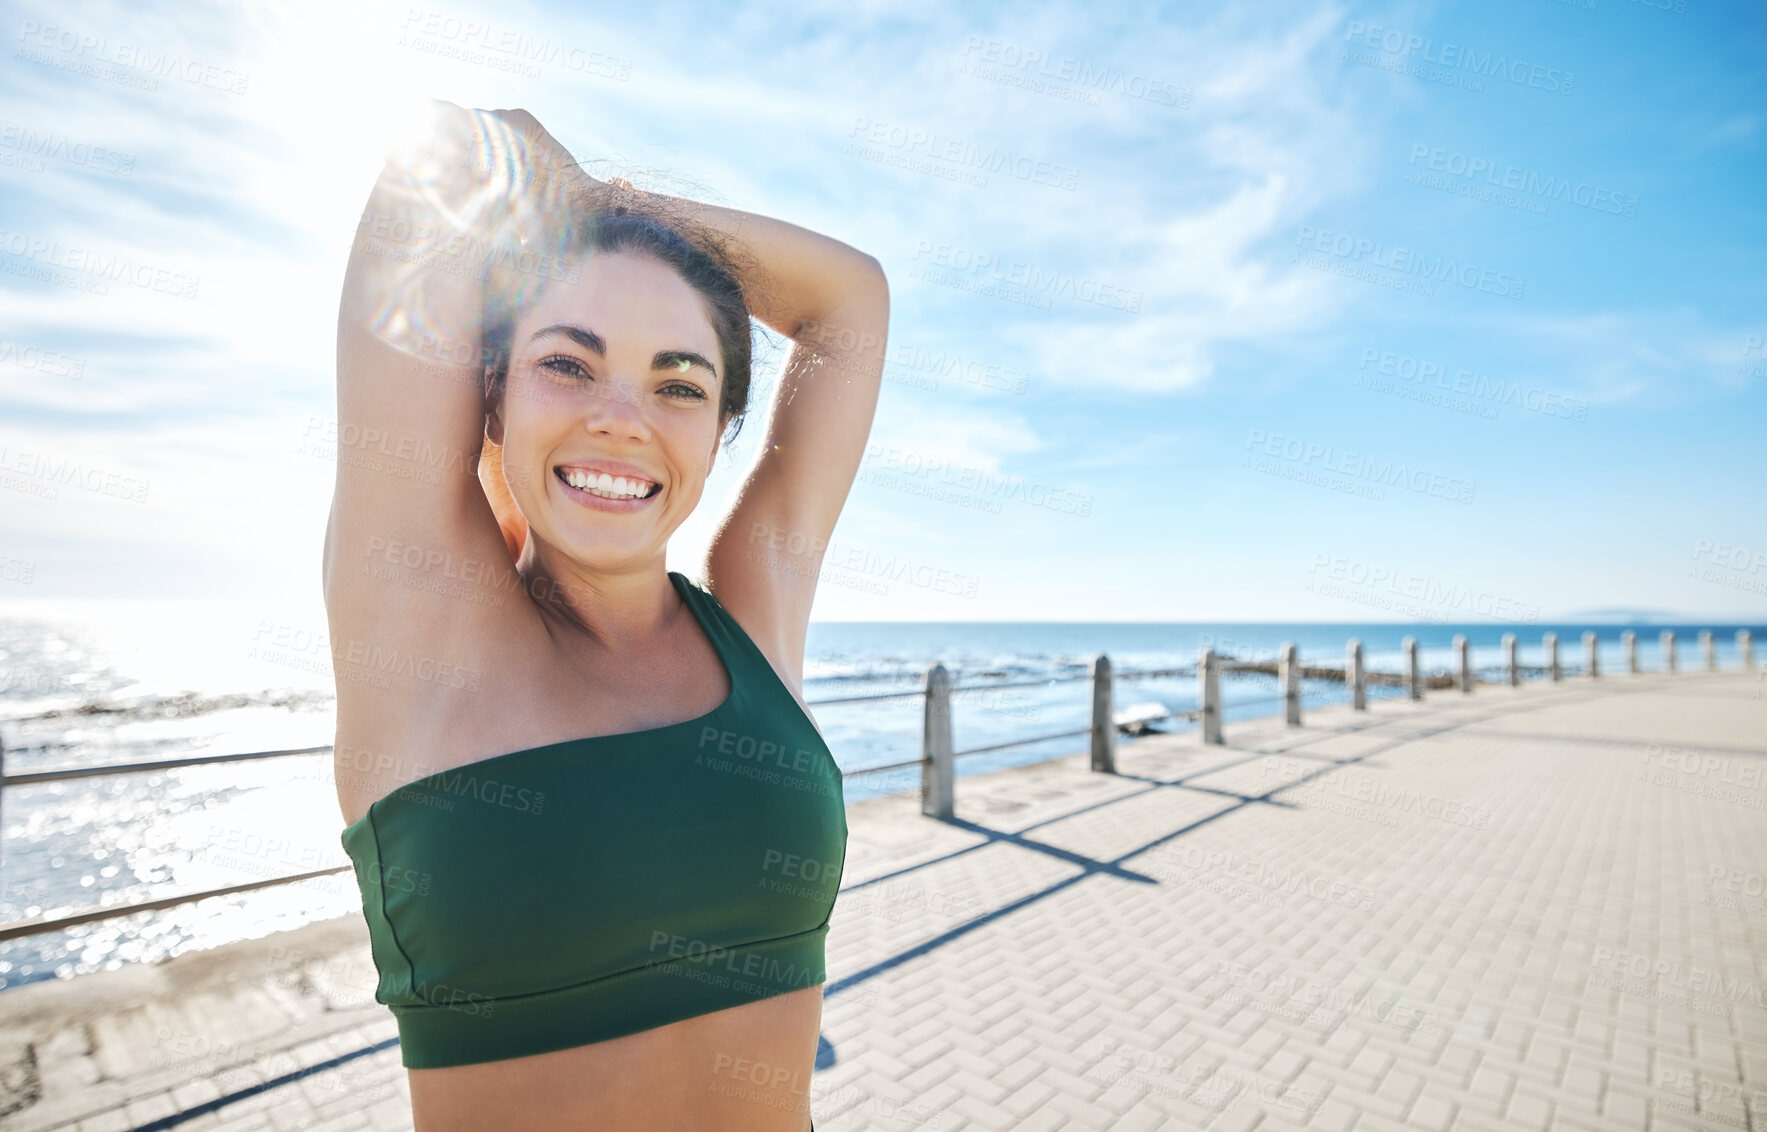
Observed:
{"x":1463,"y":654}
{"x":1104,"y":731}
{"x":1208,"y":695}
{"x":1709,"y":650}
{"x":1745,"y":649}
{"x":1630,"y":640}
{"x":1291,"y":684}
{"x":937,"y":777}
{"x":1413,"y":679}
{"x":1552,"y":668}
{"x":1668,"y":639}
{"x":1591,"y":654}
{"x":1354,"y":674}
{"x":1509,"y":661}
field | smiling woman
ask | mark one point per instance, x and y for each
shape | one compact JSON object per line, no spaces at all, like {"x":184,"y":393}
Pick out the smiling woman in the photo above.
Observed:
{"x":554,"y":360}
{"x":590,"y":772}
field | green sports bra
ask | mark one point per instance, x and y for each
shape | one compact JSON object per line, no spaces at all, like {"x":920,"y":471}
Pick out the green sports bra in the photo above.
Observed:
{"x":597,"y":887}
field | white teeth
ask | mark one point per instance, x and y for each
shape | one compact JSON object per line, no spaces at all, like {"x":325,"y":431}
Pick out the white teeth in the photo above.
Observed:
{"x":616,"y":487}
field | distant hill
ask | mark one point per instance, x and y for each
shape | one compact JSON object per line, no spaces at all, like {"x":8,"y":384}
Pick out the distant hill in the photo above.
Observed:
{"x":1653,"y":617}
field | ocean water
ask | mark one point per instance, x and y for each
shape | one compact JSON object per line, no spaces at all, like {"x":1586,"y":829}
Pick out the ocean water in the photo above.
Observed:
{"x":100,"y":686}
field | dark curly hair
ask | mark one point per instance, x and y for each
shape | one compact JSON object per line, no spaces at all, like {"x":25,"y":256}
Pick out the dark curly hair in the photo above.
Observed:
{"x":605,"y":220}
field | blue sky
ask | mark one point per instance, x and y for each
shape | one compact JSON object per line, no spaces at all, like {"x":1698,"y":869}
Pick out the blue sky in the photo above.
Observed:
{"x":1308,"y":312}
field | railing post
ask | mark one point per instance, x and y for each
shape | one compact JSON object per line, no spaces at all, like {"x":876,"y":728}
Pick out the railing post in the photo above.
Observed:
{"x":1552,"y":668}
{"x":1591,"y":654}
{"x":1354,"y":674}
{"x":1745,"y":649}
{"x":1668,"y":639}
{"x":1104,"y":731}
{"x":1630,"y":640}
{"x":1509,"y":661}
{"x":1291,"y":683}
{"x":1463,"y":654}
{"x":1208,"y":695}
{"x":1413,"y":680}
{"x":1708,"y":649}
{"x":936,"y":771}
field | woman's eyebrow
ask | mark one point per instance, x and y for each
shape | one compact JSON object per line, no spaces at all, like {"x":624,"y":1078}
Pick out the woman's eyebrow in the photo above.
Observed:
{"x":593,"y":342}
{"x":587,"y":339}
{"x":672,"y":359}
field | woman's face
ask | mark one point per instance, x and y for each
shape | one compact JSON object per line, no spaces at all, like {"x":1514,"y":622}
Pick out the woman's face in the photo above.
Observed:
{"x":617,"y":373}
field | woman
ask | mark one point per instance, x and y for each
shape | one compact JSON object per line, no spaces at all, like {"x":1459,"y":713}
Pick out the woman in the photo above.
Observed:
{"x":597,"y":834}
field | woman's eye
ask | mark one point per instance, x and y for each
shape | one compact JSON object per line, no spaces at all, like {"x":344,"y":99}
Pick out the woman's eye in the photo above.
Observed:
{"x":567,"y":367}
{"x":679,"y":390}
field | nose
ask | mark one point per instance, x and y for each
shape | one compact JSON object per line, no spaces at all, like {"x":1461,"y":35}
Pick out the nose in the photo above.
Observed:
{"x":618,"y":410}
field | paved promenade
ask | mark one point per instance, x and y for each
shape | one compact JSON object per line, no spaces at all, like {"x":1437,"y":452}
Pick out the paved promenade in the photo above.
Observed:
{"x":1535,"y":907}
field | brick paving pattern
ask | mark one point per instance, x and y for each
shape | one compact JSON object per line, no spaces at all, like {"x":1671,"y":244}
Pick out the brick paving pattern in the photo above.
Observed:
{"x":1535,"y":907}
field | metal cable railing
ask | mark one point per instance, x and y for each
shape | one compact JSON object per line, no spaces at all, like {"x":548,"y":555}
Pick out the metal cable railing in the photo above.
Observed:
{"x":937,"y":755}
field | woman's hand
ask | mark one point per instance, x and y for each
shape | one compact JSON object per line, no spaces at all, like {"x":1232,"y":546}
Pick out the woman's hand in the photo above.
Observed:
{"x":552,"y":183}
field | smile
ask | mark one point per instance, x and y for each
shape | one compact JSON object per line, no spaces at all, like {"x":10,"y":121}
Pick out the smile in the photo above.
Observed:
{"x":605,"y":486}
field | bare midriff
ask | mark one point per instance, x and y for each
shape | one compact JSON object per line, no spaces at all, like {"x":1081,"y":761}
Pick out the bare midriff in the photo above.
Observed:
{"x":746,"y":1069}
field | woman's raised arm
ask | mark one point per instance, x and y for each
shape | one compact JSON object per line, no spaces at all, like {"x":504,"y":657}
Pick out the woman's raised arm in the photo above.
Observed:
{"x":833,"y":302}
{"x":410,"y":370}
